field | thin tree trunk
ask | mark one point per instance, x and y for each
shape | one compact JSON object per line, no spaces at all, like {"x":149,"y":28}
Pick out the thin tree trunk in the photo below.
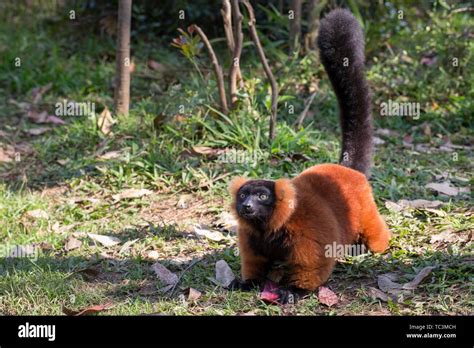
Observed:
{"x":122,"y":79}
{"x":280,"y":6}
{"x":266,"y":67}
{"x":295,"y":25}
{"x":314,"y":11}
{"x":226,"y":13}
{"x":217,"y":69}
{"x":238,"y":40}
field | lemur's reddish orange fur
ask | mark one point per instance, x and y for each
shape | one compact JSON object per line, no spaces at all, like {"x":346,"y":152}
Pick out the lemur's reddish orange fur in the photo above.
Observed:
{"x":324,"y":204}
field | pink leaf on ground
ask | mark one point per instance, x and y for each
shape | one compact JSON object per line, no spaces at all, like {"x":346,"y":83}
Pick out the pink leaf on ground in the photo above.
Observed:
{"x":270,"y":292}
{"x":54,"y":120}
{"x":327,"y":296}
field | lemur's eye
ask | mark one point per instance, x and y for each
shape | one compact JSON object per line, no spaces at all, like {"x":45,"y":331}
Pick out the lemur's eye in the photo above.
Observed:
{"x":242,"y":195}
{"x":263,"y":197}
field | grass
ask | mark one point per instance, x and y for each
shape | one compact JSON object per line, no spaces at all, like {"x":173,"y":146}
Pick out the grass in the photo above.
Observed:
{"x":61,"y":173}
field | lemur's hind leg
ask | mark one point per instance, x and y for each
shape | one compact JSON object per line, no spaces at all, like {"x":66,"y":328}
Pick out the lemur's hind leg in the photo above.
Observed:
{"x":375,"y":232}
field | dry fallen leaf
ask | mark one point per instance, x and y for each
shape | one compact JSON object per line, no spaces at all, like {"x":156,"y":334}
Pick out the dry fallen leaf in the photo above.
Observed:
{"x":63,"y":161}
{"x":378,"y":141}
{"x":178,"y":119}
{"x":386,"y":132}
{"x":182,"y":202}
{"x":408,"y":140}
{"x":425,"y":126}
{"x":37,"y":131}
{"x":164,"y":274}
{"x":44,"y":246}
{"x":429,"y":59}
{"x":38,"y":92}
{"x":105,"y":122}
{"x":110,"y":155}
{"x":23,"y":106}
{"x":420,"y":203}
{"x":212,"y":235}
{"x":106,"y":241}
{"x":88,"y":310}
{"x":37,"y":214}
{"x":412,"y":285}
{"x":448,"y":146}
{"x":57,"y":228}
{"x":437,"y":212}
{"x":423,"y":148}
{"x":377,"y":294}
{"x":193,"y":294}
{"x":392,"y":206}
{"x":7,"y":153}
{"x":153,"y":255}
{"x":446,"y":189}
{"x":207,"y":151}
{"x":327,"y":296}
{"x":461,"y":179}
{"x":54,"y":120}
{"x":224,"y":274}
{"x":166,"y":288}
{"x":131,"y":193}
{"x":387,"y":283}
{"x":181,"y":261}
{"x":154,"y":65}
{"x":72,"y":243}
{"x":89,"y":273}
{"x":37,"y":117}
{"x":44,"y":117}
{"x":405,"y":204}
{"x":448,"y":237}
{"x":83,"y":200}
{"x":148,"y":290}
{"x":79,"y":234}
{"x":127,"y":245}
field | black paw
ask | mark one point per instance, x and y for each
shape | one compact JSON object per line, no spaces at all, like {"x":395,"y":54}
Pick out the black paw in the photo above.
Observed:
{"x":247,"y":285}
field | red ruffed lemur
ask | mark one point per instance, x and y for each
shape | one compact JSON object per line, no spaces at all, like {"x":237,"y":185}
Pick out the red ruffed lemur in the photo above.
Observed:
{"x":293,"y":221}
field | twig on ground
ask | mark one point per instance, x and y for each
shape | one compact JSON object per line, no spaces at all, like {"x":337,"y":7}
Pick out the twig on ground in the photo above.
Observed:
{"x":191,"y":264}
{"x":302,"y":116}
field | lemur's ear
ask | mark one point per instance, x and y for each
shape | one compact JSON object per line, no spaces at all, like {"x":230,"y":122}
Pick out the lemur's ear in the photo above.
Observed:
{"x":236,"y":184}
{"x":285,"y":203}
{"x":234,"y":187}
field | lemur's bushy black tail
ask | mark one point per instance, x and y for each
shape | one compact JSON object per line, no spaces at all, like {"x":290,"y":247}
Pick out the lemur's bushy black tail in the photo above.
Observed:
{"x":341,"y":45}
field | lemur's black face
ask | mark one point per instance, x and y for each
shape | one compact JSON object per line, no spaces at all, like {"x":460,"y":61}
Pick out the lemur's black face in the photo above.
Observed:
{"x":255,"y":200}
